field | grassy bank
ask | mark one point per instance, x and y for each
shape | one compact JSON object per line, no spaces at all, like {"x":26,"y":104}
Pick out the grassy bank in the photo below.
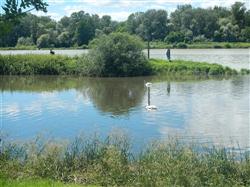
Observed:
{"x":198,"y":45}
{"x":33,"y":64}
{"x":110,"y":162}
{"x":180,"y":67}
{"x":37,"y":65}
{"x":35,"y":183}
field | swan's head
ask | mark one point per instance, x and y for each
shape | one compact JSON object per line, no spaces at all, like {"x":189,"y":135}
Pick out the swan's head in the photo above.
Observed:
{"x":148,"y":84}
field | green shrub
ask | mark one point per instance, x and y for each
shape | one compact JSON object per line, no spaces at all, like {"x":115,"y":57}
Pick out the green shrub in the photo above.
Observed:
{"x":217,"y":46}
{"x":182,"y":45}
{"x":227,"y":45}
{"x":118,"y":55}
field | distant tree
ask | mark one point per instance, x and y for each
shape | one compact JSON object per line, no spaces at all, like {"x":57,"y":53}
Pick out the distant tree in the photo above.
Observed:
{"x":43,"y":41}
{"x":64,"y":39}
{"x":238,"y":13}
{"x":175,"y":37}
{"x":22,"y":41}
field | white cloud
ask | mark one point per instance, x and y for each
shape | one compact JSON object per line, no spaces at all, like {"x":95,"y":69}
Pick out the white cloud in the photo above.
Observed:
{"x":54,"y":15}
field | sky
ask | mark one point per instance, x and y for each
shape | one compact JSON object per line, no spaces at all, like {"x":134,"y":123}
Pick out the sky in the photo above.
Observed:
{"x":119,"y":10}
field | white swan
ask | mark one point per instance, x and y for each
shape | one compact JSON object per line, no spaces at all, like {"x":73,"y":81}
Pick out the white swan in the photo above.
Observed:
{"x":148,"y":84}
{"x":151,"y":107}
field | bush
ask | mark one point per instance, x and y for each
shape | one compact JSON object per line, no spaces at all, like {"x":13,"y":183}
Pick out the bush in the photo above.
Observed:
{"x":117,"y":55}
{"x":43,"y":41}
{"x":22,"y":41}
{"x":175,"y":37}
{"x":227,"y":45}
{"x":182,"y":45}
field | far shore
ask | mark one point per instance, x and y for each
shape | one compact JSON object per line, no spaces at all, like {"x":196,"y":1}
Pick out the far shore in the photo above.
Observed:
{"x":154,"y":45}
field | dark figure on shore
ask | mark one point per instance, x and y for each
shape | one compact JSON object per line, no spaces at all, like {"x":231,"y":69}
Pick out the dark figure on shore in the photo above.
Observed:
{"x":168,"y":88}
{"x":52,"y":52}
{"x":168,"y":55}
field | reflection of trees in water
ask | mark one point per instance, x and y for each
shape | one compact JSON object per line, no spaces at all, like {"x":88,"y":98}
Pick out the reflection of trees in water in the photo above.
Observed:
{"x":39,"y":83}
{"x":114,"y":95}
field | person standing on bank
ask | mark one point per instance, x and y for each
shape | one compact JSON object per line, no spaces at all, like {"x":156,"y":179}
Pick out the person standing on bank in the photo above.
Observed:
{"x":168,"y":55}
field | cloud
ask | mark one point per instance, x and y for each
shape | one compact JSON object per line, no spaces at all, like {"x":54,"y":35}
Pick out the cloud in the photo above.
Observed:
{"x":120,"y":9}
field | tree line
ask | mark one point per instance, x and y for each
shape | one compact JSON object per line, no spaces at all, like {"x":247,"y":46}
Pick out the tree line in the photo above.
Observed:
{"x":186,"y":24}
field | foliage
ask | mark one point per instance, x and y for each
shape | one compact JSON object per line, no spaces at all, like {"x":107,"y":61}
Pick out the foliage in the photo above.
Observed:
{"x":174,"y":37}
{"x":181,"y":67}
{"x":85,"y":65}
{"x":22,"y":41}
{"x":36,"y":183}
{"x":185,"y":24}
{"x":117,"y":54}
{"x":43,"y":41}
{"x":37,"y":64}
{"x":110,"y":162}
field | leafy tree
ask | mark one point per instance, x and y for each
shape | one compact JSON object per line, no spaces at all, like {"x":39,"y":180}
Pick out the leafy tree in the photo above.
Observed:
{"x":43,"y":41}
{"x":238,"y":13}
{"x":175,"y":37}
{"x":22,"y":41}
{"x":14,"y":9}
{"x":64,"y":39}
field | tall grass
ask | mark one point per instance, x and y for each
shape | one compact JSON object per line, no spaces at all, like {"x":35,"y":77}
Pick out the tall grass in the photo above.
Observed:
{"x":110,"y":162}
{"x":37,"y":64}
{"x":189,"y":68}
{"x":32,"y":64}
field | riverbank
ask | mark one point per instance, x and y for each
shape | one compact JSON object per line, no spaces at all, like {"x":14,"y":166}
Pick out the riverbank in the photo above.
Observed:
{"x":110,"y":162}
{"x":33,"y":64}
{"x":199,"y":45}
{"x":156,"y":45}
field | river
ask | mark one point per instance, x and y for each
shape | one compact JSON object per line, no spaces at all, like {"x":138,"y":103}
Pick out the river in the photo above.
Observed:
{"x":208,"y":111}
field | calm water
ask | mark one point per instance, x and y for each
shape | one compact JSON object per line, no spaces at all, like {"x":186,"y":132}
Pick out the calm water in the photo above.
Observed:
{"x":234,"y":58}
{"x":203,"y":110}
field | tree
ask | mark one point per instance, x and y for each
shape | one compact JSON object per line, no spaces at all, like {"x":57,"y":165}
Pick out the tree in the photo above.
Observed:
{"x":64,"y":39}
{"x":117,"y":54}
{"x":175,"y":37}
{"x":85,"y":31}
{"x":22,"y":41}
{"x":15,"y":9}
{"x":238,"y":12}
{"x":43,"y":41}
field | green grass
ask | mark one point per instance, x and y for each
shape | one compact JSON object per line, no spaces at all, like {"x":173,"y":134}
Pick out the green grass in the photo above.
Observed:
{"x":33,"y":64}
{"x":181,"y":67}
{"x":36,"y":183}
{"x":111,"y":162}
{"x":199,"y":45}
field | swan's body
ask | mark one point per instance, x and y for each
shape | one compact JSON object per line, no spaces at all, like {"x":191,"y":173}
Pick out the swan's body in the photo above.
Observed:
{"x":151,"y":107}
{"x":148,"y":84}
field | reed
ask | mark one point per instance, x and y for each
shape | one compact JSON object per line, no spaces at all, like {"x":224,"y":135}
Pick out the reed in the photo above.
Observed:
{"x":111,"y":161}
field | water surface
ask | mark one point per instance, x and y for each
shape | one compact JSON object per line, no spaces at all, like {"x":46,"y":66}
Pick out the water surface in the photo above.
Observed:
{"x":213,"y":110}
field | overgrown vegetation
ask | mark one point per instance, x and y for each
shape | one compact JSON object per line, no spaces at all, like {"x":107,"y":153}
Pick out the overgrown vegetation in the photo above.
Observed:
{"x":37,"y":65}
{"x":118,"y":65}
{"x":115,"y":55}
{"x":111,"y":162}
{"x":181,"y":67}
